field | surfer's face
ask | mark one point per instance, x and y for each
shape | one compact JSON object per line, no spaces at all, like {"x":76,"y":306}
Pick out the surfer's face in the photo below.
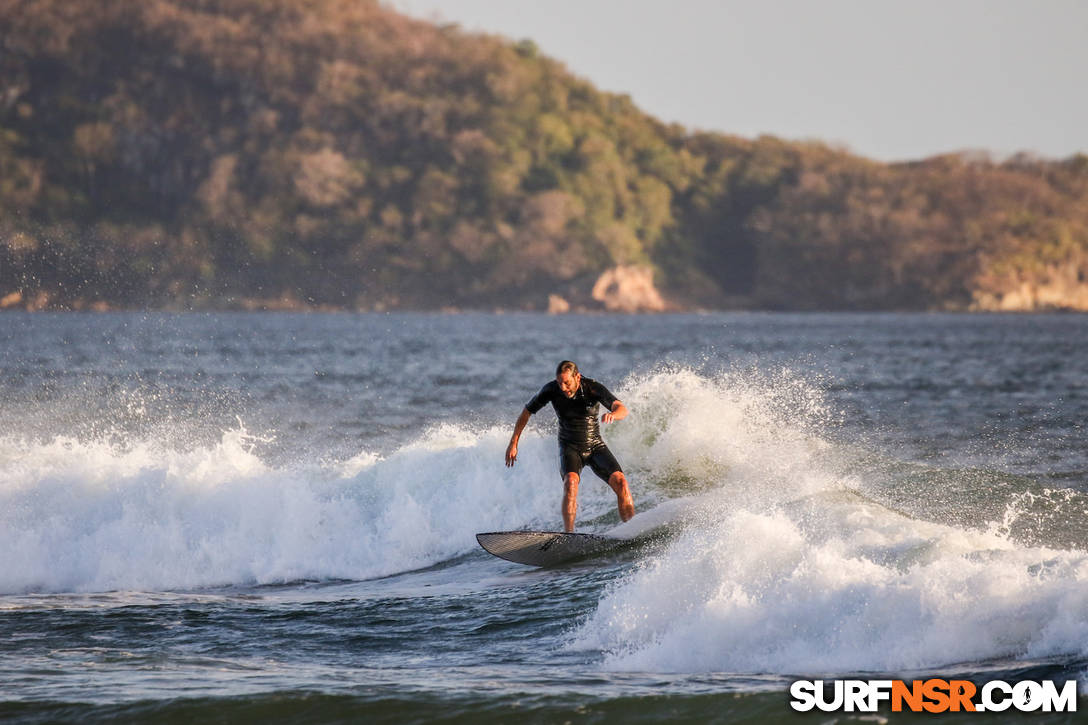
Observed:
{"x":569,"y":382}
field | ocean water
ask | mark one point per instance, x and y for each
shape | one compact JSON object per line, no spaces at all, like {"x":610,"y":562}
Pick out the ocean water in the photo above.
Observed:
{"x":270,"y":517}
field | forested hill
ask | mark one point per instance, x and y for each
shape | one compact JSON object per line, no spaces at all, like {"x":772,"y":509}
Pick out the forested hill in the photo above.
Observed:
{"x":334,"y":153}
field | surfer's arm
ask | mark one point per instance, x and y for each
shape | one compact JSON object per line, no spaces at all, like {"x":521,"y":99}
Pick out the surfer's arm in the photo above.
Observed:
{"x":519,"y":426}
{"x":618,"y":412}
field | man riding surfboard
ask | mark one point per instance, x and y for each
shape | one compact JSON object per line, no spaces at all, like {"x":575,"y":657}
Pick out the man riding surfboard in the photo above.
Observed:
{"x":576,"y":401}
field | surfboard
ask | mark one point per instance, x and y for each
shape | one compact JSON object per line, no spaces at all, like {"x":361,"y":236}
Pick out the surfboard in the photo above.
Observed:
{"x":547,"y":548}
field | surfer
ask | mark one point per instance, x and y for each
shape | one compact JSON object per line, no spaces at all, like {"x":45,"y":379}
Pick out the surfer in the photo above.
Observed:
{"x":576,"y":401}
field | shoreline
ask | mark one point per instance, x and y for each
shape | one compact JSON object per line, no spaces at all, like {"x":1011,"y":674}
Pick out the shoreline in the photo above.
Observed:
{"x":105,"y":309}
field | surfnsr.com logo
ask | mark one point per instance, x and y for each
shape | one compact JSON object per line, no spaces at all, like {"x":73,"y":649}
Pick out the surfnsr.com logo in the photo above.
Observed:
{"x":933,"y":695}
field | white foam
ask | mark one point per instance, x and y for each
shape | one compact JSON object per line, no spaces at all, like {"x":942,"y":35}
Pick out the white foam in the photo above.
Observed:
{"x":834,"y":583}
{"x":693,"y":432}
{"x":780,"y":568}
{"x":783,"y":567}
{"x":118,"y":513}
{"x":95,"y":516}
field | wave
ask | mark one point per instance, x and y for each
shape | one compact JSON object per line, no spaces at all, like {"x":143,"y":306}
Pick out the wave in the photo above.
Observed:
{"x":96,"y":515}
{"x":144,"y":510}
{"x":781,"y":557}
{"x":790,"y":564}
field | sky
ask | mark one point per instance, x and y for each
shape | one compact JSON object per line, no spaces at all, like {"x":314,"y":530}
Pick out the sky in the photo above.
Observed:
{"x":888,"y":80}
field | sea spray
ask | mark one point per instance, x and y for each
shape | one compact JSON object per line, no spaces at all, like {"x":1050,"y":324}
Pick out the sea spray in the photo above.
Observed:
{"x":131,"y":512}
{"x":784,"y":563}
{"x":787,"y":565}
{"x":95,"y":516}
{"x":787,"y":531}
{"x":839,"y":586}
{"x":691,"y":432}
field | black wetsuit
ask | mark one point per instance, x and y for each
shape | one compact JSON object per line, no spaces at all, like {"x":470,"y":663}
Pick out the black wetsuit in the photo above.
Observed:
{"x":579,"y":428}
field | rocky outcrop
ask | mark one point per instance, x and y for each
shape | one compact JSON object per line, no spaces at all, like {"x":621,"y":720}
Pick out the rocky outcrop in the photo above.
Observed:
{"x":628,"y":288}
{"x":1035,"y":297}
{"x":1054,"y":287}
{"x":557,"y":305}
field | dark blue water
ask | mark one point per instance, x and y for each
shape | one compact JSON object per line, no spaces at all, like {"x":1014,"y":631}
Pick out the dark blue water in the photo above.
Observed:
{"x":254,"y":517}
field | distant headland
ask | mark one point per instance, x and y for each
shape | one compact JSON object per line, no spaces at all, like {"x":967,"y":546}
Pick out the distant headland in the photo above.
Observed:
{"x":272,"y":154}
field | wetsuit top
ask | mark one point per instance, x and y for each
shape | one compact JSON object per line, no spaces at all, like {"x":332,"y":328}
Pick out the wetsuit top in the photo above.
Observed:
{"x":578,"y":416}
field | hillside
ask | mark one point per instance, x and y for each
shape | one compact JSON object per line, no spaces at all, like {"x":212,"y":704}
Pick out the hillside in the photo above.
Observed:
{"x":336,"y":154}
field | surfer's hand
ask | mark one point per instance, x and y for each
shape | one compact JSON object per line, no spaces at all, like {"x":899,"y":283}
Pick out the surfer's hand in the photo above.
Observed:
{"x":618,"y":412}
{"x":511,"y":453}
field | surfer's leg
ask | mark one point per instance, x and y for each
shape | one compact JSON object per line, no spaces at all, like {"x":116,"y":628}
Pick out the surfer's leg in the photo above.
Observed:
{"x":618,"y":482}
{"x":607,"y":468}
{"x":570,"y":500}
{"x":571,"y":461}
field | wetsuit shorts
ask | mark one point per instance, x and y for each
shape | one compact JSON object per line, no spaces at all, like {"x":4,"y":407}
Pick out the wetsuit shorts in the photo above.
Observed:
{"x":573,"y":458}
